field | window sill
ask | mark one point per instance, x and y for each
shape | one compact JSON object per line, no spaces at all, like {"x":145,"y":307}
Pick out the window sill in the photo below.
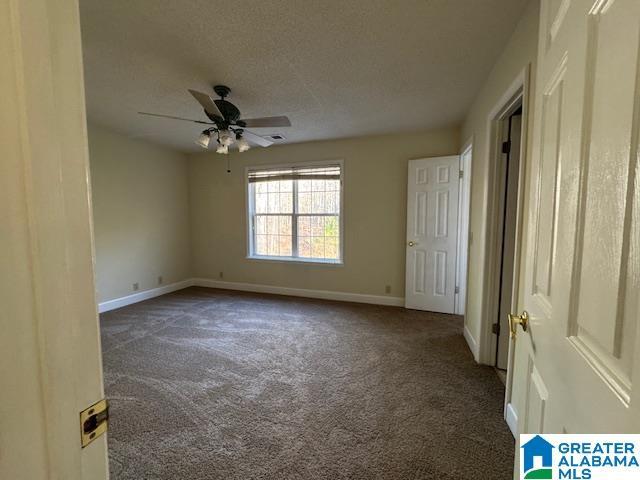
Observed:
{"x":310,"y":261}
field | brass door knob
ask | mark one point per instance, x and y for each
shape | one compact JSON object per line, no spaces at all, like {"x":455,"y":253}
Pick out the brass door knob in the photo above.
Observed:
{"x":515,"y":320}
{"x":411,"y":244}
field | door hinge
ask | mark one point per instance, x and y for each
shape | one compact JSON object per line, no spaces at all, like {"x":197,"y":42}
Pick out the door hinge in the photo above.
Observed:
{"x":460,"y":174}
{"x":495,"y":328}
{"x":456,"y":290}
{"x":93,"y":422}
{"x":506,"y":147}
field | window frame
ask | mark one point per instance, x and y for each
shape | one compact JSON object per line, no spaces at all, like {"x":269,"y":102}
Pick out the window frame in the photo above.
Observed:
{"x":250,"y":212}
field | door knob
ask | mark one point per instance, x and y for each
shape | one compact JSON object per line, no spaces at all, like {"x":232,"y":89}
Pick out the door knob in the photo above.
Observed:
{"x":514,"y":320}
{"x":411,"y":244}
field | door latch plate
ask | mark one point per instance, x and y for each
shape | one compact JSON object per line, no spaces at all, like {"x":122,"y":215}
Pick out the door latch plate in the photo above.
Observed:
{"x":94,"y":421}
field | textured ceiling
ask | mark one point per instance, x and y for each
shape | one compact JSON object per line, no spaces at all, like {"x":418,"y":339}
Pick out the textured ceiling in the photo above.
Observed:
{"x":336,"y":68}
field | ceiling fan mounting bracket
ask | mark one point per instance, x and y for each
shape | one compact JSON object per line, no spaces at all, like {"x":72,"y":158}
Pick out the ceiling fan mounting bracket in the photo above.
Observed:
{"x":222,"y":90}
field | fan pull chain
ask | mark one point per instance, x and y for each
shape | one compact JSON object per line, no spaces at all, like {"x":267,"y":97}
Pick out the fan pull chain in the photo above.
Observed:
{"x":228,"y":168}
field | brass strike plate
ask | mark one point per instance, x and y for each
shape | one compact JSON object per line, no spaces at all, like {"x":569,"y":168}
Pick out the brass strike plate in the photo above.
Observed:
{"x":93,"y":421}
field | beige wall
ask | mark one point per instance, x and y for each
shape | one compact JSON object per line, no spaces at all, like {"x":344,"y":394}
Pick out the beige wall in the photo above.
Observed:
{"x":375,"y":179}
{"x":520,"y":51}
{"x":140,"y":213}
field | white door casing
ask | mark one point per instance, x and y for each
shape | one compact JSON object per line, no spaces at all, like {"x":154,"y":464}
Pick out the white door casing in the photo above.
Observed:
{"x":432,"y":208}
{"x":575,"y":369}
{"x":509,"y":234}
{"x":464,"y":204}
{"x":50,"y":365}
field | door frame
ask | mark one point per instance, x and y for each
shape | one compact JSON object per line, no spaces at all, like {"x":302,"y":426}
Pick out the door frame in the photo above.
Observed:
{"x":464,"y":213}
{"x":516,"y":94}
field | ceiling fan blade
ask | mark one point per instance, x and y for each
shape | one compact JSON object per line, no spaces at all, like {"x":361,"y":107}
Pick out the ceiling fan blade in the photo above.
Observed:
{"x":175,"y":118}
{"x":281,"y":121}
{"x":257,"y":139}
{"x":206,"y":102}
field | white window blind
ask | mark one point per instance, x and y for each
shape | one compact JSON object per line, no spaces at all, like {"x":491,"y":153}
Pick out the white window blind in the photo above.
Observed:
{"x":295,"y":213}
{"x":329,"y":172}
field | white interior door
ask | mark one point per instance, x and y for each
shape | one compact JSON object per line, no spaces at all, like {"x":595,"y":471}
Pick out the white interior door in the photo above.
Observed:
{"x":432,"y":210}
{"x":50,"y":365}
{"x":576,"y":367}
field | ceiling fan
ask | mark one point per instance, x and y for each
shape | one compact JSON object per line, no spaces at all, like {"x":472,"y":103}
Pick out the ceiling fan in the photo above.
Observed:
{"x":227,"y":127}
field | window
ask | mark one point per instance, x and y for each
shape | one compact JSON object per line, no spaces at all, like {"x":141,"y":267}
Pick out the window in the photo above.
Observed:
{"x":295,"y":213}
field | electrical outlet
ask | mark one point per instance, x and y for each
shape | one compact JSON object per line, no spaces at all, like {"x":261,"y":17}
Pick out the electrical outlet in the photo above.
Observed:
{"x":160,"y":280}
{"x":221,"y":274}
{"x":136,"y":286}
{"x":387,"y":289}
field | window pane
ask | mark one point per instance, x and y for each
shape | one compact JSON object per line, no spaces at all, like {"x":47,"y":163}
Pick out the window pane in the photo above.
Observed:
{"x":284,"y":225}
{"x":286,"y":202}
{"x":331,"y":227}
{"x":273,"y":186}
{"x":331,"y":248}
{"x":304,"y":247}
{"x":317,"y":247}
{"x":274,"y":197}
{"x":318,"y":185}
{"x":261,"y":224}
{"x":261,"y":245}
{"x":273,"y":235}
{"x":261,"y":203}
{"x":272,"y":242}
{"x":274,"y":203}
{"x":319,"y":236}
{"x":332,"y":200}
{"x":304,"y":185}
{"x":317,"y":203}
{"x":333,"y":185}
{"x":304,"y":202}
{"x":317,"y":226}
{"x":272,"y":225}
{"x":304,"y":226}
{"x":284,"y":246}
{"x":286,"y":185}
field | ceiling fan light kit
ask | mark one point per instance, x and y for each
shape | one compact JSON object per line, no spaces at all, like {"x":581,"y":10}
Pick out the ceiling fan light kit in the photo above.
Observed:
{"x":224,"y":149}
{"x":225,"y":138}
{"x":226,"y":123}
{"x":203,"y":139}
{"x":243,"y":145}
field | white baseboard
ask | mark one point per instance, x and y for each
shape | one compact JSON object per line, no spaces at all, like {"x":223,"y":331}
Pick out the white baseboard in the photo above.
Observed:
{"x":145,"y":295}
{"x":512,"y":419}
{"x":249,"y":287}
{"x":300,"y":292}
{"x":473,"y":345}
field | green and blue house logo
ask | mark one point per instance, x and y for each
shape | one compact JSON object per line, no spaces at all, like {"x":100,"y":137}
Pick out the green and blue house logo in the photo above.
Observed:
{"x":580,"y":456}
{"x":537,"y":449}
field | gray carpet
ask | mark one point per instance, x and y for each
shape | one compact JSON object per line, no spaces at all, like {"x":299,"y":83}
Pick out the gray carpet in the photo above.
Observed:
{"x":214,"y":384}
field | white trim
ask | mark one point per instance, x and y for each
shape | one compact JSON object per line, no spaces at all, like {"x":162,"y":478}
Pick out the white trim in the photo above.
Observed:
{"x":473,"y":345}
{"x":141,"y":296}
{"x":463,"y":225}
{"x":301,"y":292}
{"x":518,"y":91}
{"x":512,"y":419}
{"x":250,"y":287}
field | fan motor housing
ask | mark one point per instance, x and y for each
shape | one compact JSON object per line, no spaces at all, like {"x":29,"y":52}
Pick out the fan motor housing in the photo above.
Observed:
{"x":229,"y":110}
